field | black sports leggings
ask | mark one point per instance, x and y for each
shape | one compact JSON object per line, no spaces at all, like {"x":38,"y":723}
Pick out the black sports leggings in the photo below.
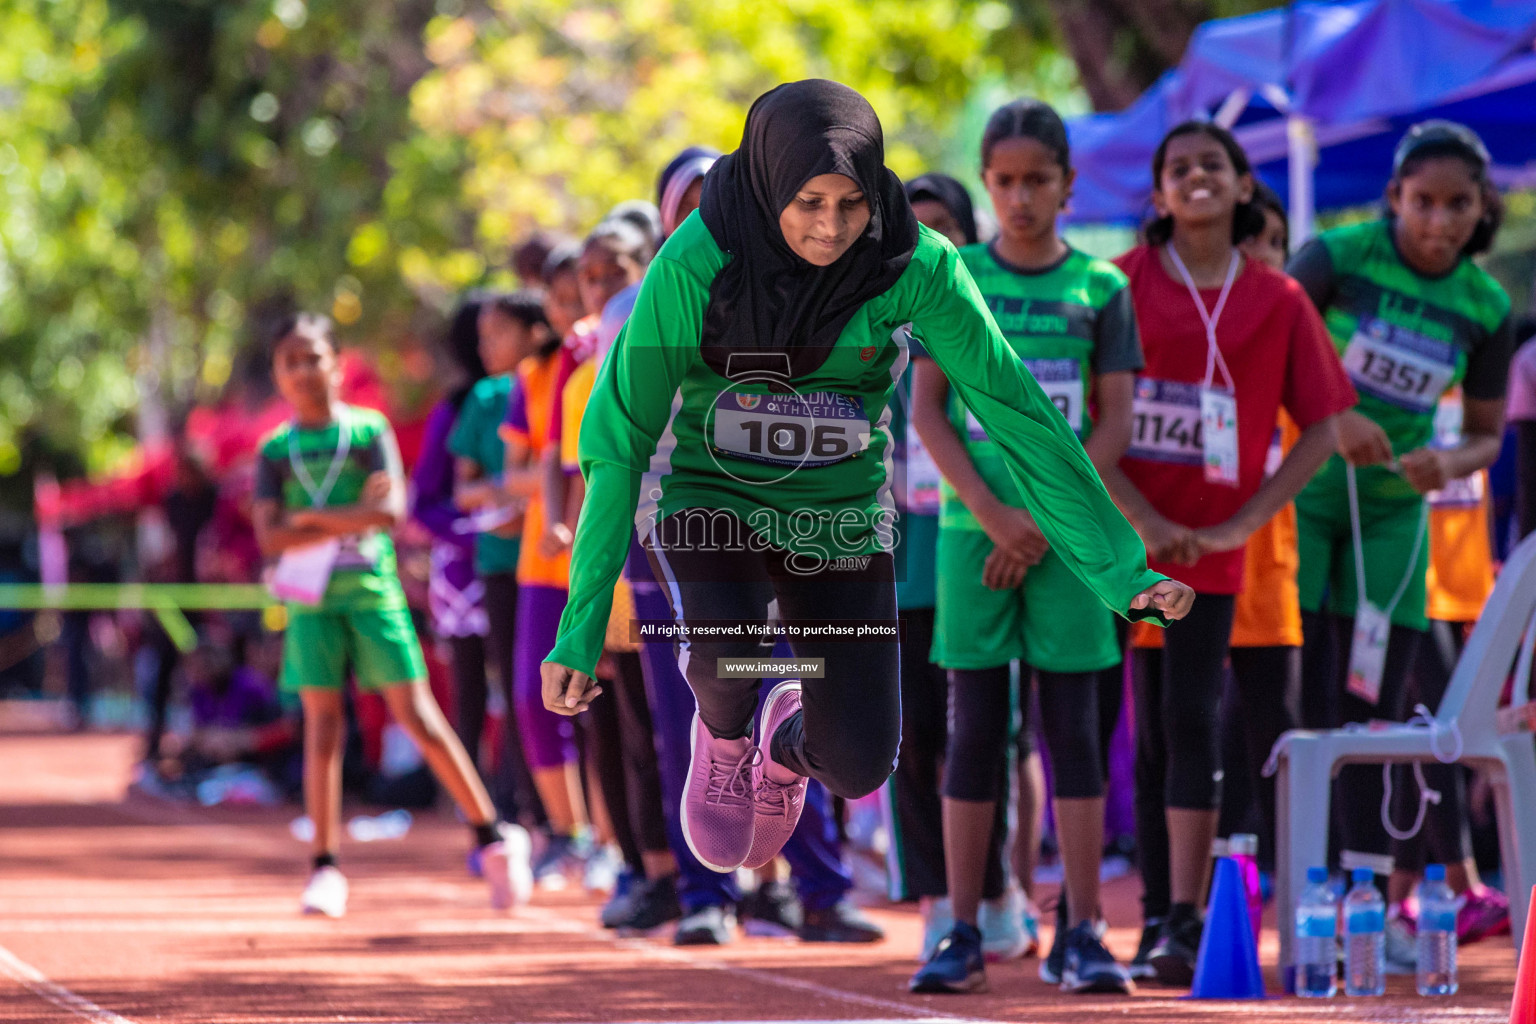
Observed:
{"x":1357,"y":793}
{"x":917,"y":815}
{"x":1266,"y":703}
{"x":513,"y":787}
{"x":980,"y":711}
{"x":849,"y":728}
{"x":622,"y":748}
{"x":1445,"y":838}
{"x":1178,"y":740}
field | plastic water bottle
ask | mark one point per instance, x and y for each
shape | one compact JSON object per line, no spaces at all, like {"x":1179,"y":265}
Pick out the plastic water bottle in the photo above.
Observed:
{"x":1317,"y":921}
{"x":1436,"y":934}
{"x":1365,"y":937}
{"x":1243,"y":847}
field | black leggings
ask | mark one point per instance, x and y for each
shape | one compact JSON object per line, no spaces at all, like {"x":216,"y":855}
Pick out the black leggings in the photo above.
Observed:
{"x":621,"y":743}
{"x":1358,"y":791}
{"x":980,"y":713}
{"x":1266,"y":702}
{"x":513,"y":787}
{"x":1178,"y":740}
{"x":1525,"y":476}
{"x":849,"y":728}
{"x":471,"y":690}
{"x":1445,"y":838}
{"x":917,"y":823}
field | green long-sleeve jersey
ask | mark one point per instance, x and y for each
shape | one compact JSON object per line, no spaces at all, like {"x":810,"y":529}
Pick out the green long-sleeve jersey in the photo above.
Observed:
{"x":807,"y":463}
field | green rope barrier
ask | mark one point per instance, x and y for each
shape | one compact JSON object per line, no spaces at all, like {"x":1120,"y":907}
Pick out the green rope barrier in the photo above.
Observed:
{"x":168,"y":601}
{"x":192,"y":597}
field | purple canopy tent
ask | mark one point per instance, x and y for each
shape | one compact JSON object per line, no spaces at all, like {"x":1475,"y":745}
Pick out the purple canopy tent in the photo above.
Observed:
{"x":1318,"y":93}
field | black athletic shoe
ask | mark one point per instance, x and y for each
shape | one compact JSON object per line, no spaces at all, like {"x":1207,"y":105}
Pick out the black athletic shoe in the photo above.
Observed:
{"x":957,"y":964}
{"x":617,"y":907}
{"x":840,"y":922}
{"x":1051,"y":967}
{"x":773,"y":911}
{"x":1089,"y":966}
{"x":651,"y":903}
{"x":707,"y":926}
{"x":1173,"y":958}
{"x":1141,"y":964}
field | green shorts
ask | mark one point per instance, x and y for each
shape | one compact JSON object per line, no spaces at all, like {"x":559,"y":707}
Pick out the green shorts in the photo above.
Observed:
{"x":373,"y":637}
{"x":1051,"y":622}
{"x":1388,"y":530}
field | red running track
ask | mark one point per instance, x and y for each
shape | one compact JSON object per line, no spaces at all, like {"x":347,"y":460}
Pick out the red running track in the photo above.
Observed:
{"x":120,"y":909}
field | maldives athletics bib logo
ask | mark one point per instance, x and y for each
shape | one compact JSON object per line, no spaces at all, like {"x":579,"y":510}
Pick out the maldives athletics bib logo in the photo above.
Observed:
{"x":749,"y":402}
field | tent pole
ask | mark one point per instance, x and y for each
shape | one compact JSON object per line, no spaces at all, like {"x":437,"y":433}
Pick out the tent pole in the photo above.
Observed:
{"x":1301,"y":162}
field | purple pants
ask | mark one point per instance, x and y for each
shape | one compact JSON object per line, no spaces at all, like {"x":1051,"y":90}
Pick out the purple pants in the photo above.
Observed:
{"x":548,"y":738}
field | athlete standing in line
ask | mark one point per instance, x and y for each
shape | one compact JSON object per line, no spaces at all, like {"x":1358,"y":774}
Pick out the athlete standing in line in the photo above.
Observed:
{"x":913,"y":806}
{"x":1005,"y":595}
{"x":753,"y":382}
{"x":1228,"y":342}
{"x":1412,"y":317}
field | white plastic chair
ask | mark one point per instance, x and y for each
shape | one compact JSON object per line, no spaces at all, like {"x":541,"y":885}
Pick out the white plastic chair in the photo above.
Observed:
{"x":1307,"y":762}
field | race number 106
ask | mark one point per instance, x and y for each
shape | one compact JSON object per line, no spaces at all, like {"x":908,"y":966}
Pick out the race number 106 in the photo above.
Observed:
{"x":791,"y":439}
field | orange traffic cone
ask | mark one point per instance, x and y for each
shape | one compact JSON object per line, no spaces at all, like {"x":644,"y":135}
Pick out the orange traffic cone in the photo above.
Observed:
{"x":1524,"y":1009}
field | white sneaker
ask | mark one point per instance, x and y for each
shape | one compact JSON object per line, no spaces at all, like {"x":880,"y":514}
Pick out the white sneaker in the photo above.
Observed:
{"x":600,"y":873}
{"x":1004,"y":923}
{"x":938,"y":919}
{"x":326,"y":893}
{"x":1402,"y":954}
{"x":507,"y":865}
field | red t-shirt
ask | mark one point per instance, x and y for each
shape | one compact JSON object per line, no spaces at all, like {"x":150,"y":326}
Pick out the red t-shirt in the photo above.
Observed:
{"x":1279,"y":355}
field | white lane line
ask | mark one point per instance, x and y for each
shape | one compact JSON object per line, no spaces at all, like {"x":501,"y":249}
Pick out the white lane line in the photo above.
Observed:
{"x":669,"y":954}
{"x":34,"y":981}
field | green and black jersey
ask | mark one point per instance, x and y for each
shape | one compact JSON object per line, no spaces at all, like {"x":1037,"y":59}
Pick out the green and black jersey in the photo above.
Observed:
{"x":357,"y":443}
{"x":1068,"y":323}
{"x":807,"y":462}
{"x":1405,"y":338}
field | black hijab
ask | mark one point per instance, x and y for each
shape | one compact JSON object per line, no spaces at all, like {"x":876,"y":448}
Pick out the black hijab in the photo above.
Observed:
{"x":767,"y":299}
{"x":953,"y":195}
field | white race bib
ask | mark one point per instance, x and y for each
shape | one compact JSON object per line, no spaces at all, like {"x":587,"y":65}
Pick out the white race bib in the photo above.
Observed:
{"x":1368,"y":651}
{"x":921,"y":486}
{"x":811,"y":430}
{"x":1218,"y":428}
{"x":1399,"y":366}
{"x":1165,"y":422}
{"x":303,"y":573}
{"x":1466,"y":492}
{"x":1062,"y":382}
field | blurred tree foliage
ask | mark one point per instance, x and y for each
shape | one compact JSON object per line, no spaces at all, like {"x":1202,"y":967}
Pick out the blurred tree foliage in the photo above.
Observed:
{"x":178,"y":172}
{"x":561,"y":108}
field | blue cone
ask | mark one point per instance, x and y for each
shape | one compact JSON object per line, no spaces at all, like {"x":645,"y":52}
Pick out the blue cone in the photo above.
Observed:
{"x":1228,"y":964}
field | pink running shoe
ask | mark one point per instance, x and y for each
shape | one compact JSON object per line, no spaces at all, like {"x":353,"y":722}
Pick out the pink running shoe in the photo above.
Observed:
{"x":1486,"y":913}
{"x":717,"y":799}
{"x":776,"y":805}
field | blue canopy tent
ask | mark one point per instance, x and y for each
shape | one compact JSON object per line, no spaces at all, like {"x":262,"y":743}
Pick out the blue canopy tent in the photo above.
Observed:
{"x":1319,"y":93}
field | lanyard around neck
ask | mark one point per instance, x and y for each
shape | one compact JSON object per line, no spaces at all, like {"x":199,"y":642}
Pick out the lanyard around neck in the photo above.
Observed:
{"x":319,"y":494}
{"x":1209,"y":317}
{"x":1355,"y":533}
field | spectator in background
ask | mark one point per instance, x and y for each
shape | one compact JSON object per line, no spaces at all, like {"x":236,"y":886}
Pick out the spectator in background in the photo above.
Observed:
{"x":236,"y":719}
{"x":188,"y":508}
{"x":456,"y":595}
{"x":1522,"y":418}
